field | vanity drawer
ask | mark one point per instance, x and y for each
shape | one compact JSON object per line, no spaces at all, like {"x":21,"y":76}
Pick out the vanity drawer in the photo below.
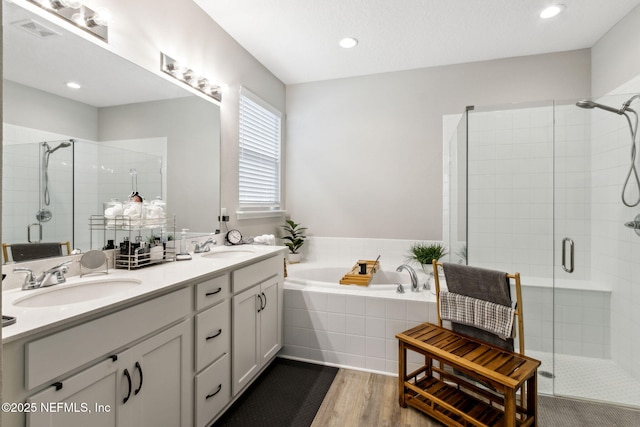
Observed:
{"x":213,"y":334}
{"x":213,"y":390}
{"x":212,"y":291}
{"x":248,"y":276}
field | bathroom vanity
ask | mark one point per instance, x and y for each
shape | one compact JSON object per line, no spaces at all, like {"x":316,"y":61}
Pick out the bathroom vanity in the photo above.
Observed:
{"x":177,"y":348}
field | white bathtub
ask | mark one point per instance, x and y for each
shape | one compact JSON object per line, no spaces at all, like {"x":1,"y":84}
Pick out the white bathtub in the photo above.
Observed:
{"x":315,"y":277}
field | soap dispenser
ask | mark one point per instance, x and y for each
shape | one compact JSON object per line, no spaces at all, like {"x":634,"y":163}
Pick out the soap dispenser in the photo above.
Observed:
{"x":183,"y":255}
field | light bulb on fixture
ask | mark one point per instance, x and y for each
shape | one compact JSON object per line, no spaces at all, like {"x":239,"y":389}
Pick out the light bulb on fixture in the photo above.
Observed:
{"x":190,"y":77}
{"x":101,"y":17}
{"x":203,"y":84}
{"x":94,"y":21}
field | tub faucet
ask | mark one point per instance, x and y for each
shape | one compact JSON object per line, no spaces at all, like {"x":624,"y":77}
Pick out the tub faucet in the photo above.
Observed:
{"x":412,"y":274}
{"x":50,"y":277}
{"x":203,"y":247}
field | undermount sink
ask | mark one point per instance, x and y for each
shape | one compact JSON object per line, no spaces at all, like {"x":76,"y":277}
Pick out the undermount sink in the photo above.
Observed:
{"x":228,"y":253}
{"x":71,"y":293}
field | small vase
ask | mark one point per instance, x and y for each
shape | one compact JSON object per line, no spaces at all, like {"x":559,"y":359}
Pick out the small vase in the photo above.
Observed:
{"x":294,"y":258}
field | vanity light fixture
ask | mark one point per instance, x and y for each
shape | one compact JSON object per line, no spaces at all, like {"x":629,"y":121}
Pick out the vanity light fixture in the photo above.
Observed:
{"x":348,"y":42}
{"x":94,"y":21}
{"x":190,"y":77}
{"x":552,"y":11}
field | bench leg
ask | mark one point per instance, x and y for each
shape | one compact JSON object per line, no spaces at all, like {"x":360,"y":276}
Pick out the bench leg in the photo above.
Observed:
{"x":402,"y":373}
{"x":532,"y":397}
{"x":509,"y":408}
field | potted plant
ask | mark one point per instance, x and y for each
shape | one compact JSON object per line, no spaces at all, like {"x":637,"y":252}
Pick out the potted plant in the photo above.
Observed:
{"x":294,"y":240}
{"x":424,"y":254}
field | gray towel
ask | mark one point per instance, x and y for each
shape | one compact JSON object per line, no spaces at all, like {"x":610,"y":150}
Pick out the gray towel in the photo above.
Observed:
{"x":484,"y":284}
{"x":30,"y":251}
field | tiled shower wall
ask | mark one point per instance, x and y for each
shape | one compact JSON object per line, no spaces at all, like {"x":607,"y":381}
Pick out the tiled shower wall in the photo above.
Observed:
{"x":511,"y":189}
{"x":21,"y":186}
{"x":616,"y":249}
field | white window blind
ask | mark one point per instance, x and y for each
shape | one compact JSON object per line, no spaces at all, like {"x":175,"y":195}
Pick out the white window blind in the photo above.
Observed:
{"x":259,"y":152}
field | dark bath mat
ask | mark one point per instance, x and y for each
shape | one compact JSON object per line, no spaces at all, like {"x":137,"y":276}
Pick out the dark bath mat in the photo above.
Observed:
{"x":287,"y":394}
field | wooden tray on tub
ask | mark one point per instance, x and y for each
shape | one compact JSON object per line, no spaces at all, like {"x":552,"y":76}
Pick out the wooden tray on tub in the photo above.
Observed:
{"x":354,"y":277}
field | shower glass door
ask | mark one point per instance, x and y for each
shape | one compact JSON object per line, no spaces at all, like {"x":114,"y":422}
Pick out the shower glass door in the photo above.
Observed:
{"x":543,"y":196}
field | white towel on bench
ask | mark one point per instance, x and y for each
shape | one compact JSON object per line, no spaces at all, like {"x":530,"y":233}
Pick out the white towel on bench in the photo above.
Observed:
{"x":488,"y":316}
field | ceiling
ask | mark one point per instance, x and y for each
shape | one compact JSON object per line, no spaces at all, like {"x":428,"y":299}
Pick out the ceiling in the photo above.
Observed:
{"x":297,"y":40}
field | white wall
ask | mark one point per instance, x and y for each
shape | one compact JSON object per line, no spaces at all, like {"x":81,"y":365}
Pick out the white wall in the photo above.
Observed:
{"x":615,"y":58}
{"x":364,"y":154}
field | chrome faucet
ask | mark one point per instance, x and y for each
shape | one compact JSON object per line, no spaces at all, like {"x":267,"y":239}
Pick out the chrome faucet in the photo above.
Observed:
{"x":412,"y":274}
{"x":50,"y":277}
{"x":203,"y":247}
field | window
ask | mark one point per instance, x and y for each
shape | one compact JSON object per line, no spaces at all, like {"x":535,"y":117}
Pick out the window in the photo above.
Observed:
{"x":259,"y":156}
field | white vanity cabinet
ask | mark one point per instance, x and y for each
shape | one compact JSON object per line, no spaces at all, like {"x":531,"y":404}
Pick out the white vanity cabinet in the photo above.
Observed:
{"x":82,"y":375}
{"x":257,"y":319}
{"x":143,"y":386}
{"x":178,"y":358}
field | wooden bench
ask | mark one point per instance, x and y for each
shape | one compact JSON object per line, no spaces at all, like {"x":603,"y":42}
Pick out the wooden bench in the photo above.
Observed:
{"x":499,"y":387}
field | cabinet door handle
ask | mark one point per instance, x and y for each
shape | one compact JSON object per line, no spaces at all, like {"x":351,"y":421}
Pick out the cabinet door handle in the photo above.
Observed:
{"x":139,"y":368}
{"x":208,"y":294}
{"x":260,"y":298}
{"x":126,"y":374}
{"x":209,"y":396}
{"x":214,"y":335}
{"x":265,"y":301}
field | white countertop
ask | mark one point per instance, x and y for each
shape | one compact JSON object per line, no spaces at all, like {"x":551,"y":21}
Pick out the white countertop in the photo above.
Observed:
{"x":156,"y":280}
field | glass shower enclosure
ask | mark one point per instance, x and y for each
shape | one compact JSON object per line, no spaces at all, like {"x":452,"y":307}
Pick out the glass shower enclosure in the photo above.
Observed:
{"x":537,"y":189}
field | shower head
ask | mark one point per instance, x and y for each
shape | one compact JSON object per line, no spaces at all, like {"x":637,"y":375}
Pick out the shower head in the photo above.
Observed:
{"x":50,"y":150}
{"x":585,"y":103}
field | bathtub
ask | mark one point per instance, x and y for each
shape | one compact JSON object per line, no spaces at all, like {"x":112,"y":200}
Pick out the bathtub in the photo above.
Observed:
{"x":316,"y":277}
{"x":349,"y":326}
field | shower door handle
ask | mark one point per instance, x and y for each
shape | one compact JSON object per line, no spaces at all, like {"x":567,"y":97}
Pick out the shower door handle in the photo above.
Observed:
{"x":39,"y":232}
{"x":564,"y":255}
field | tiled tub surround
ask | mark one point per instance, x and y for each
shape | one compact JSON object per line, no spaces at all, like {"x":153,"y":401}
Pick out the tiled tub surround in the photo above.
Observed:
{"x":350,"y":325}
{"x":355,"y":327}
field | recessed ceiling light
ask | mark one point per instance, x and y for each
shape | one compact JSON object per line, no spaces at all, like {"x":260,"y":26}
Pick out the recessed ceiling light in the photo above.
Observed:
{"x":73,"y":85}
{"x":552,"y":11}
{"x":348,"y":42}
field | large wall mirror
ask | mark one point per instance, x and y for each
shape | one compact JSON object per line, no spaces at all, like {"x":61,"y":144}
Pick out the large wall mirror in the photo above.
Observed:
{"x":67,"y":152}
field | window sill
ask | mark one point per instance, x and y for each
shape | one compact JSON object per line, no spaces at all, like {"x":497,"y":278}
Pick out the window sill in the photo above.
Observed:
{"x":259,"y":214}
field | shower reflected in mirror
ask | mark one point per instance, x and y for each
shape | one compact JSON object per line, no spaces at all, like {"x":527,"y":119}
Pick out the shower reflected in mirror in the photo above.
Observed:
{"x":44,"y":214}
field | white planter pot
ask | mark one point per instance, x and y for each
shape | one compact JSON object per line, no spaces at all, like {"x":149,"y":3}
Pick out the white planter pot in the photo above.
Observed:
{"x":294,"y":258}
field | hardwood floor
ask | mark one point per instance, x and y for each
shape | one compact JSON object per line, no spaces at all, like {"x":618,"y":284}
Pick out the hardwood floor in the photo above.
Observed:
{"x":362,"y":399}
